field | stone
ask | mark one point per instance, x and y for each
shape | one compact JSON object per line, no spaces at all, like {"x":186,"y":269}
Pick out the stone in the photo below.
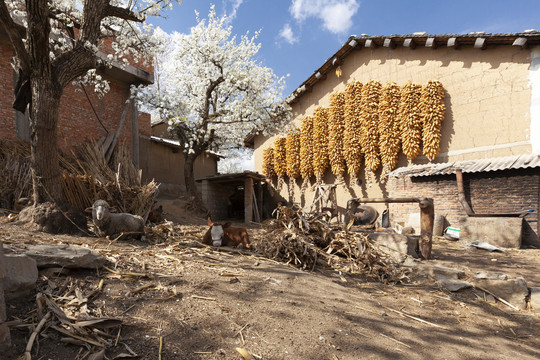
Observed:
{"x":453,"y":284}
{"x":490,"y":276}
{"x":65,"y":255}
{"x":21,"y":275}
{"x":438,"y":271}
{"x":439,"y":223}
{"x":514,"y":291}
{"x":535,"y":299}
{"x":396,"y":246}
{"x":505,"y":232}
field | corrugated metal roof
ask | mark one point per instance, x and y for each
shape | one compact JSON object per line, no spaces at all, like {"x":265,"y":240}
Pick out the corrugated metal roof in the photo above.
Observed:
{"x":523,"y":161}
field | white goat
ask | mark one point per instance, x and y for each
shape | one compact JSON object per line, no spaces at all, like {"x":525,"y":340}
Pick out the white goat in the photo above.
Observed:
{"x":114,"y":225}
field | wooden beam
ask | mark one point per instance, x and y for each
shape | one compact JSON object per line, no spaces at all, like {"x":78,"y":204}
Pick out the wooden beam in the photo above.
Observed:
{"x":480,"y":43}
{"x":389,"y":43}
{"x":453,"y":42}
{"x":521,"y":41}
{"x":370,"y":44}
{"x":431,"y":43}
{"x":410,"y":43}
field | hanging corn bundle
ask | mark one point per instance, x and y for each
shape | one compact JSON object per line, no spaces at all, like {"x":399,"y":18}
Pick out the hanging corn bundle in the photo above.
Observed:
{"x":268,"y":163}
{"x":320,"y":142}
{"x":369,"y":117}
{"x":352,"y":149}
{"x":292,"y":145}
{"x":306,"y":151}
{"x":389,"y":130}
{"x":432,"y":112}
{"x":280,"y":159}
{"x":336,"y":129}
{"x":410,"y":120}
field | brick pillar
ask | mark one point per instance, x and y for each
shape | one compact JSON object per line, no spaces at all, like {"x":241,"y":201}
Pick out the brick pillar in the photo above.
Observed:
{"x":135,"y":133}
{"x":248,"y":200}
{"x":5,"y":339}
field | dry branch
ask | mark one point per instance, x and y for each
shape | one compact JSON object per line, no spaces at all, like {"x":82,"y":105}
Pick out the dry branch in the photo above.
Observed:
{"x":306,"y":240}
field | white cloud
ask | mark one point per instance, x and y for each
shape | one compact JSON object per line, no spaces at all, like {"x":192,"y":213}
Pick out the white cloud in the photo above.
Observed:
{"x":287,"y":34}
{"x":235,"y":5}
{"x":336,"y":15}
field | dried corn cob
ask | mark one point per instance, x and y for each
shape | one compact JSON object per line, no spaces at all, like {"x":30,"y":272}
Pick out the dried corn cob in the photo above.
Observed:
{"x":280,"y":159}
{"x":369,"y":117}
{"x":292,"y":145}
{"x":352,"y":149}
{"x":336,"y":129}
{"x":432,"y":112}
{"x":306,"y":151}
{"x":320,"y":142}
{"x":389,"y":130}
{"x":268,"y":163}
{"x":409,"y":119}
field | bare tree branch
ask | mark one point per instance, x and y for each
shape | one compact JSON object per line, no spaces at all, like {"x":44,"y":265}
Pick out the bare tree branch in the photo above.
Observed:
{"x":121,"y":13}
{"x":16,"y":35}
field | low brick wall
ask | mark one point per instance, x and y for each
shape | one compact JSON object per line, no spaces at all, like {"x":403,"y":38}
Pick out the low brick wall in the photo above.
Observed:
{"x":508,"y":191}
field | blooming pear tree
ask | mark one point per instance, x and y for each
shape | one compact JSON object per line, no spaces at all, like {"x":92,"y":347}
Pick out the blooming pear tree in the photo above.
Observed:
{"x":56,"y":42}
{"x":214,"y":92}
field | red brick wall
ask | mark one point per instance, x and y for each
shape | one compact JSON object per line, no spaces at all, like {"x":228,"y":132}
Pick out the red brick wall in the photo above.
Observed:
{"x":507,"y":191}
{"x":7,"y":114}
{"x":77,"y":122}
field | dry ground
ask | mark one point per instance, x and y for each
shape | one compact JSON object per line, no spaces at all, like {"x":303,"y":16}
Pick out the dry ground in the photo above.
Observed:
{"x":203,"y":304}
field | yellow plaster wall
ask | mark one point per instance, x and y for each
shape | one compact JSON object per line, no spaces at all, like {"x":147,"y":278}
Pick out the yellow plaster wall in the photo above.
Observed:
{"x":488,"y":100}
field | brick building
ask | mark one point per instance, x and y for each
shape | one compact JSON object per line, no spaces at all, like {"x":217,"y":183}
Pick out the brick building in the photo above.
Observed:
{"x":77,"y":120}
{"x":491,"y":129}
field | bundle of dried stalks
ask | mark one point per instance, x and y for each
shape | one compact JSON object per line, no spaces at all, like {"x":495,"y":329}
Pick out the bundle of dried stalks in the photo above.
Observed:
{"x":86,"y":178}
{"x":16,"y":181}
{"x":305,"y":240}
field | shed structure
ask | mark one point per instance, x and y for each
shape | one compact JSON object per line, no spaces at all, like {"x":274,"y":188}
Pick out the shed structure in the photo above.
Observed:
{"x":234,"y":196}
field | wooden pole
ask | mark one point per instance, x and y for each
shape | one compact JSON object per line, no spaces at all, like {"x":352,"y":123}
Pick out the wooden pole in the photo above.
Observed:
{"x":461,"y":193}
{"x":427,"y":215}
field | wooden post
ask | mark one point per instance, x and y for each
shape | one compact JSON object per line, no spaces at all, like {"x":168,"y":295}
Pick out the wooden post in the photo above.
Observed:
{"x":248,"y":200}
{"x":260,"y":199}
{"x":427,"y":215}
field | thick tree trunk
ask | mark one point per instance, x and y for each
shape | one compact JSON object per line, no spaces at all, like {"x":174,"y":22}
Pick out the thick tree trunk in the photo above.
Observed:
{"x":46,"y":173}
{"x":193,"y":193}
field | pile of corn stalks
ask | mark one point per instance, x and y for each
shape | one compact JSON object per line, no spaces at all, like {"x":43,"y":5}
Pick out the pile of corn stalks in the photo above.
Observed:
{"x":86,"y":177}
{"x":16,"y":181}
{"x":306,"y":240}
{"x":64,"y":307}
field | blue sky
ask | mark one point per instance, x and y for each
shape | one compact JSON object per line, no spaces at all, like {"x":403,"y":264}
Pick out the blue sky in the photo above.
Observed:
{"x":299,"y":35}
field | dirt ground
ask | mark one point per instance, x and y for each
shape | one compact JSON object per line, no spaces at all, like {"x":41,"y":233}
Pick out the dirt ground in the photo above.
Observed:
{"x":204,"y":303}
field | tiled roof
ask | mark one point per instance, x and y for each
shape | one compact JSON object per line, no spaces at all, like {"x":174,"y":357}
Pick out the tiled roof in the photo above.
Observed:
{"x":478,"y":40}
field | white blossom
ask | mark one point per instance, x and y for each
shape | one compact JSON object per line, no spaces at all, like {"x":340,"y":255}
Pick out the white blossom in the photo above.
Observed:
{"x":210,"y":82}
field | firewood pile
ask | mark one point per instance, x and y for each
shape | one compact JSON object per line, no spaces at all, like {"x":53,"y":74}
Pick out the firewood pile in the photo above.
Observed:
{"x":66,"y":306}
{"x":86,"y":177}
{"x":307,"y":240}
{"x":15,"y":181}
